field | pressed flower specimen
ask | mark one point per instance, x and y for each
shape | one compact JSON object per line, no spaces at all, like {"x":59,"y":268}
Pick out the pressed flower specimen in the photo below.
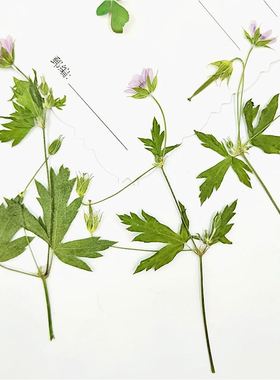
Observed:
{"x":119,"y":15}
{"x":147,"y":228}
{"x":251,"y":124}
{"x":32,"y":100}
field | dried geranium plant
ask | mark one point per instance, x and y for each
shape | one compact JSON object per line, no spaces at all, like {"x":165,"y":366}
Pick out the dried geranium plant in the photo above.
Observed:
{"x":147,"y":228}
{"x":254,"y":120}
{"x":32,"y":100}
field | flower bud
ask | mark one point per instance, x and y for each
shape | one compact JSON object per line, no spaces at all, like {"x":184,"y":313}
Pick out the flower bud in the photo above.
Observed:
{"x":83,"y":182}
{"x":92,"y":220}
{"x":7,"y":53}
{"x":55,"y":146}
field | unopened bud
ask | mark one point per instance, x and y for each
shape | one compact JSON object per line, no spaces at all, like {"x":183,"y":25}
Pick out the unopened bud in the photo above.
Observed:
{"x":55,"y":146}
{"x":83,"y":182}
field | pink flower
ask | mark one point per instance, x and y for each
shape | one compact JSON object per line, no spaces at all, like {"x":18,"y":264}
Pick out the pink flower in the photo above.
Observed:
{"x":258,"y":38}
{"x":7,"y":55}
{"x":7,"y":43}
{"x":140,"y":80}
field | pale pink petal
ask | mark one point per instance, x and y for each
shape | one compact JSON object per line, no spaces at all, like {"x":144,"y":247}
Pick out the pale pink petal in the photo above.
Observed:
{"x":7,"y":43}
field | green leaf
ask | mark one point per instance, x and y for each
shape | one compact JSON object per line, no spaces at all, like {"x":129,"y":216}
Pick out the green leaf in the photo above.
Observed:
{"x":73,"y":261}
{"x":58,"y":215}
{"x":9,"y":226}
{"x":209,"y":141}
{"x":220,"y":225}
{"x":60,"y":102}
{"x":119,"y":15}
{"x":150,"y":230}
{"x":27,"y":104}
{"x":104,"y":8}
{"x":89,"y":247}
{"x":119,"y":18}
{"x":250,"y":112}
{"x":241,"y":170}
{"x":155,"y":144}
{"x":267,"y":115}
{"x":267,"y":143}
{"x":164,"y":256}
{"x":213,"y":178}
{"x":184,"y":230}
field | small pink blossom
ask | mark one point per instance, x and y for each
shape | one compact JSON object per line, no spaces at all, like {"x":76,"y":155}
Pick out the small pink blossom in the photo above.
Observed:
{"x":7,"y":43}
{"x":140,"y":80}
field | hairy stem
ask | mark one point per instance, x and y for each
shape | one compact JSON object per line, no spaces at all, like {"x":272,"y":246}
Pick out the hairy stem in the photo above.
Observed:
{"x":204,"y":316}
{"x":164,"y":123}
{"x":122,"y":189}
{"x":49,"y":312}
{"x":262,"y":183}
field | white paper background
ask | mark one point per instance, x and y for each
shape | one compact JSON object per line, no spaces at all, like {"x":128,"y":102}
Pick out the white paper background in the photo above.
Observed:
{"x":111,"y":323}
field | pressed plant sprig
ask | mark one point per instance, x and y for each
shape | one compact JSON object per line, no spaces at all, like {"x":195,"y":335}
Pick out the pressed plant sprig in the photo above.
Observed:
{"x":32,"y":100}
{"x":119,"y":15}
{"x":148,"y":228}
{"x":253,"y":119}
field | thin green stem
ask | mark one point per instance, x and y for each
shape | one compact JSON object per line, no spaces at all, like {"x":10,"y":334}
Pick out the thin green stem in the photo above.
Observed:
{"x":43,"y":278}
{"x":261,"y":183}
{"x":143,"y":250}
{"x":122,"y":189}
{"x":240,"y":92}
{"x":33,"y":177}
{"x":20,"y":71}
{"x":18,"y":271}
{"x":177,"y":204}
{"x":46,"y":156}
{"x":49,"y":253}
{"x":204,"y":316}
{"x":164,"y":123}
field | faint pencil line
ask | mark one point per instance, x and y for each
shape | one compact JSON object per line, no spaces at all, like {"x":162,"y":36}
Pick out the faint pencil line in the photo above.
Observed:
{"x":98,"y":117}
{"x":217,"y":22}
{"x":270,"y":7}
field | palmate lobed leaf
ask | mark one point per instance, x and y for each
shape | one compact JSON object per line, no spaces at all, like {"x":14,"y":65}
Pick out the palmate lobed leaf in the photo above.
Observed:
{"x":155,"y":143}
{"x":149,"y":230}
{"x":58,"y":215}
{"x":220,"y":225}
{"x":28,"y":106}
{"x":267,"y":143}
{"x":210,"y":141}
{"x":213,"y":177}
{"x":9,"y":226}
